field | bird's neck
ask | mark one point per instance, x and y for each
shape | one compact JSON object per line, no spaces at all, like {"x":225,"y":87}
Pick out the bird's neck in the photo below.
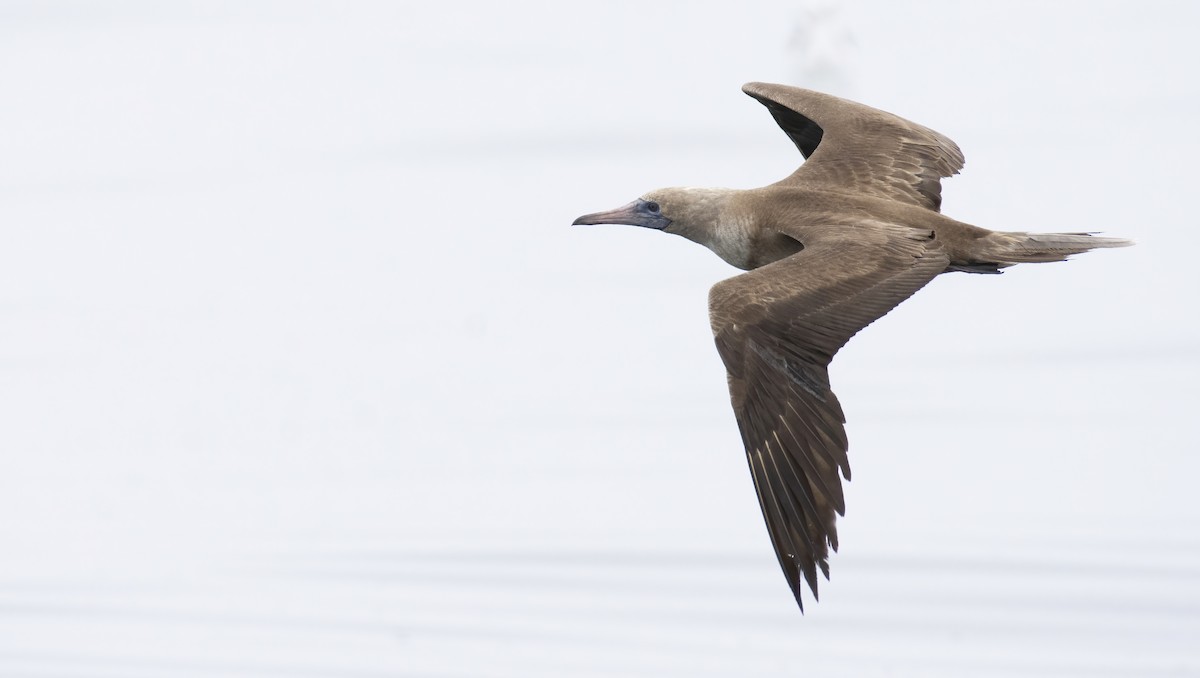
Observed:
{"x":717,"y":219}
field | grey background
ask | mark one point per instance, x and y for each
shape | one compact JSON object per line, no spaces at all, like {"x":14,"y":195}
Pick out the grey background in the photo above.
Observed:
{"x":303,"y":372}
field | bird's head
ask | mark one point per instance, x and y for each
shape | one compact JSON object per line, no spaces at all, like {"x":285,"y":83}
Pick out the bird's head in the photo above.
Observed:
{"x":689,"y":212}
{"x":708,"y":216}
{"x":673,"y":210}
{"x":647,"y":211}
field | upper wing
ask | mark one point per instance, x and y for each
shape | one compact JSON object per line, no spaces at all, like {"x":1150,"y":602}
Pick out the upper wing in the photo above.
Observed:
{"x":854,"y":147}
{"x":776,"y":328}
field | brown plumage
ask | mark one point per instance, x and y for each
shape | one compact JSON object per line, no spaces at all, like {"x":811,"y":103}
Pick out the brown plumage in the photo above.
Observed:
{"x":839,"y":243}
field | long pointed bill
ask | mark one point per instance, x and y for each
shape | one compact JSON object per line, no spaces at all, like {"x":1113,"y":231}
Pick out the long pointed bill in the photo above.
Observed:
{"x":637,"y":213}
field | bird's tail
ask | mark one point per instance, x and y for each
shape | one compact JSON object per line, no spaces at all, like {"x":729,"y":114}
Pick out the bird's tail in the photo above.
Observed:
{"x":1023,"y":248}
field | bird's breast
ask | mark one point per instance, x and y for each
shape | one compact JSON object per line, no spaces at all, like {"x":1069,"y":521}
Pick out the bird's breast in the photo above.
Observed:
{"x":733,"y":241}
{"x":742,"y":243}
{"x":771,"y":246}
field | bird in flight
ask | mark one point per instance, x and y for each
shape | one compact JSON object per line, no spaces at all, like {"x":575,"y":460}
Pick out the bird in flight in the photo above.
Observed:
{"x":853,"y":232}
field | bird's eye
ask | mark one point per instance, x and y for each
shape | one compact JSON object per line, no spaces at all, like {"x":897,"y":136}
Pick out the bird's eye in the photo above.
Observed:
{"x":652,"y":206}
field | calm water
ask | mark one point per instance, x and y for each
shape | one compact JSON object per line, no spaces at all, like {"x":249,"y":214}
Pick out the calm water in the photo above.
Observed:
{"x":303,"y":373}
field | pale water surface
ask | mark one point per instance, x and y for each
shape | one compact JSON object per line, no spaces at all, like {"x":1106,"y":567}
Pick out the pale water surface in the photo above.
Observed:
{"x":303,"y":373}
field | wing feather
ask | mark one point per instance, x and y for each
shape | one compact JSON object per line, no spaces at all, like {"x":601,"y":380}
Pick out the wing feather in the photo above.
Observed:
{"x":855,"y":148}
{"x":776,"y":329}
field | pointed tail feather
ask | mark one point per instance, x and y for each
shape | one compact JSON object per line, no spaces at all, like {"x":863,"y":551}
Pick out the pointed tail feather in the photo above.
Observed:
{"x":1022,"y":248}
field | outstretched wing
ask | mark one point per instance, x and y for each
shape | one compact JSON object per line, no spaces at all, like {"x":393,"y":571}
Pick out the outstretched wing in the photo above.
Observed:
{"x":777,"y":328}
{"x":855,"y":148}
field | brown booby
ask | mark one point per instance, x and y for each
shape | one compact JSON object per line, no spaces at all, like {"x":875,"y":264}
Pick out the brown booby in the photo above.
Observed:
{"x":837,"y":244}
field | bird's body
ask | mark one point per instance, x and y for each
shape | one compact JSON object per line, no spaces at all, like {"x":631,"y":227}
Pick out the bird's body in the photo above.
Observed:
{"x":752,"y":228}
{"x":831,"y":248}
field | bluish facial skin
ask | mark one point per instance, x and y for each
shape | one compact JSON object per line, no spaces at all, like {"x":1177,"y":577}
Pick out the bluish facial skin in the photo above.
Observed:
{"x":644,"y":213}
